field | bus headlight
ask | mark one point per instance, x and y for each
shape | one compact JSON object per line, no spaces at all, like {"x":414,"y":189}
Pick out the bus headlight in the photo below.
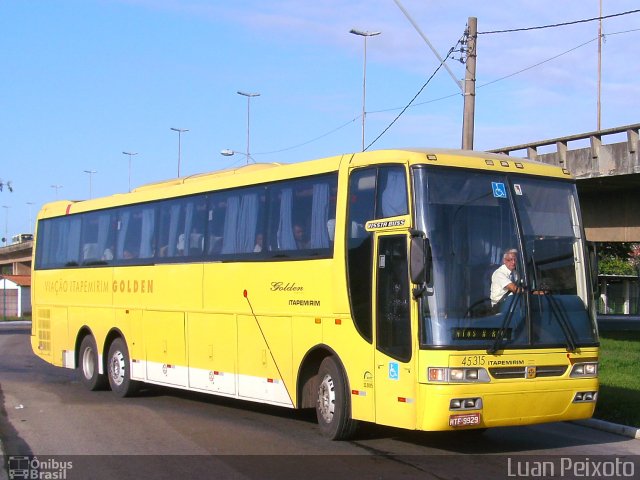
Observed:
{"x":457,"y":375}
{"x":585,"y":370}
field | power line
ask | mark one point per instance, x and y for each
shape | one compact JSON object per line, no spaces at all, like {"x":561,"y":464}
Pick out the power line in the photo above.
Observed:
{"x":538,"y":64}
{"x":312,"y":140}
{"x":564,"y":24}
{"x":434,"y":100}
{"x":414,"y":97}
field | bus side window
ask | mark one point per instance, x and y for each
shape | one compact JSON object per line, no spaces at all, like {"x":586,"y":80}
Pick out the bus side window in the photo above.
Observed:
{"x":362,"y":187}
{"x":61,"y":247}
{"x":236,"y":217}
{"x":392,"y":192}
{"x":215,"y":224}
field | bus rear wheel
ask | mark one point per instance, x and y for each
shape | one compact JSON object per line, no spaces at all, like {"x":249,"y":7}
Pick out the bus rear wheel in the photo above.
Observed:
{"x":119,"y":370}
{"x":333,"y":407}
{"x":89,"y":365}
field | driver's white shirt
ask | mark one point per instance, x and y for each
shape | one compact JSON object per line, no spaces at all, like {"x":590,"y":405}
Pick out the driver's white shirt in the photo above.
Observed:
{"x":499,"y":281}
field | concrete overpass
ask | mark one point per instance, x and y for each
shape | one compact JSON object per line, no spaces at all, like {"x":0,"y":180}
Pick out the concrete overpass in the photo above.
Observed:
{"x":16,"y":259}
{"x":608,"y":177}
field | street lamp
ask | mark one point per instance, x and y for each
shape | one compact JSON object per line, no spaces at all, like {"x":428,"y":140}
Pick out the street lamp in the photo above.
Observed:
{"x":4,"y":280}
{"x":57,"y":187}
{"x":90,"y":172}
{"x":180,"y":132}
{"x":248,"y":95}
{"x":130,"y":155}
{"x":230,"y":153}
{"x":364,"y":74}
{"x":6,"y":224}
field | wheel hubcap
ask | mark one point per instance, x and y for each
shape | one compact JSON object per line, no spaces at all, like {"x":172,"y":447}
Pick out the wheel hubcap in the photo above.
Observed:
{"x":116,"y":368}
{"x":88,"y":363}
{"x":326,"y":399}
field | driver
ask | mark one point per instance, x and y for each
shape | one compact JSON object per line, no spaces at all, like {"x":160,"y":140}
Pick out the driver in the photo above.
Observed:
{"x":502,"y":280}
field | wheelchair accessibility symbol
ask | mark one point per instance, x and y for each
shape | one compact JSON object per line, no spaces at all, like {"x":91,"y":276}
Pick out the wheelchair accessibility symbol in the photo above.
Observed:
{"x":499,"y":190}
{"x":393,"y":371}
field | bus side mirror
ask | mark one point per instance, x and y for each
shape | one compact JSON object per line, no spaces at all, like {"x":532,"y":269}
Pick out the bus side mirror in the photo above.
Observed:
{"x":420,"y":259}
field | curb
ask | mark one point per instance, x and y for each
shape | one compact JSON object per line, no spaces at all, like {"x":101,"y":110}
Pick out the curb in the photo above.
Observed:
{"x":623,"y":430}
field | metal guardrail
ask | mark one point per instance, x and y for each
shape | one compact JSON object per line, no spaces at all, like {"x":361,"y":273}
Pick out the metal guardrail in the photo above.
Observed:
{"x":619,"y":322}
{"x":596,"y":160}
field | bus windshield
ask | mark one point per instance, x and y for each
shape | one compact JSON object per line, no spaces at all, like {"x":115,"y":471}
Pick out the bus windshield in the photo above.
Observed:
{"x":508,"y":269}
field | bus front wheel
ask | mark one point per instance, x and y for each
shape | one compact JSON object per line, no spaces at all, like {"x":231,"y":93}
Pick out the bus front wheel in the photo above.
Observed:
{"x":333,"y":402}
{"x":119,"y":370}
{"x":89,"y":365}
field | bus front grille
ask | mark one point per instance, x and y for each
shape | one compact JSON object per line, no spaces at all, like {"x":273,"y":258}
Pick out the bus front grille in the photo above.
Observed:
{"x":503,"y":373}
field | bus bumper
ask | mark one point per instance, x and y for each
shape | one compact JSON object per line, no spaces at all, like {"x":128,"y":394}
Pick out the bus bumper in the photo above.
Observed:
{"x":456,"y":407}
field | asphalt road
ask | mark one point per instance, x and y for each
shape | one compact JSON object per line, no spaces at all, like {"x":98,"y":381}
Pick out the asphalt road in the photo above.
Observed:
{"x":46,"y":413}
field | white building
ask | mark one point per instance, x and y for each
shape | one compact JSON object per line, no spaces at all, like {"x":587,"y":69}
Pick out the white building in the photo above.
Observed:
{"x":15,"y":295}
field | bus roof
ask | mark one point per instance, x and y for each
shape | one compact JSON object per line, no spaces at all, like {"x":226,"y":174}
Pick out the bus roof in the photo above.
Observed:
{"x":265,"y":172}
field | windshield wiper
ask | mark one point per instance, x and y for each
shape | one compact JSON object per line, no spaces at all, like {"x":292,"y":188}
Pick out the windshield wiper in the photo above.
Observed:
{"x":559,"y":314}
{"x":505,"y":323}
{"x":557,"y":311}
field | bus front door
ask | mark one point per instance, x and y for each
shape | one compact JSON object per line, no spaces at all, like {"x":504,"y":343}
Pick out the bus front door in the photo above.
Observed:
{"x":395,"y":374}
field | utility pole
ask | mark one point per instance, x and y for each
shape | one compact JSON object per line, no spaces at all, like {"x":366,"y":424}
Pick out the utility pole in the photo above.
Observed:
{"x":469,"y":85}
{"x":599,"y":69}
{"x":469,"y":88}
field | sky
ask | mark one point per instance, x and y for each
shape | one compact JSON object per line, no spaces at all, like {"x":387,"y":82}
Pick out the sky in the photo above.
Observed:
{"x":83,"y":81}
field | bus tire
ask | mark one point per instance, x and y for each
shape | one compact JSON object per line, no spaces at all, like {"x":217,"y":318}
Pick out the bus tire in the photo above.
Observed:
{"x":333,"y":407}
{"x":89,"y":365}
{"x":119,"y":370}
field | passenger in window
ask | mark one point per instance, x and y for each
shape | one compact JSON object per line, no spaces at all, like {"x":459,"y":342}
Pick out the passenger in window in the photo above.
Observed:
{"x":300,"y":236}
{"x":180,"y":244}
{"x":259,"y":243}
{"x":129,"y":254}
{"x":215,"y":244}
{"x":196,"y":243}
{"x":108,"y":253}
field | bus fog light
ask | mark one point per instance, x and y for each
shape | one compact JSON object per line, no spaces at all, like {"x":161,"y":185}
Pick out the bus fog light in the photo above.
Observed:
{"x":470,"y":403}
{"x":585,"y":397}
{"x":465,"y":403}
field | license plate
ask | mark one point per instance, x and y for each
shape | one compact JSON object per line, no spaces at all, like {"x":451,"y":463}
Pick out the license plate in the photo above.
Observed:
{"x":464,"y":420}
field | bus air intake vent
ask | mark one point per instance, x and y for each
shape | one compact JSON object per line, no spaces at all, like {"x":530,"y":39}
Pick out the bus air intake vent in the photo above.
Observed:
{"x":508,"y":372}
{"x":521,"y":372}
{"x":44,"y":329}
{"x":551,"y":371}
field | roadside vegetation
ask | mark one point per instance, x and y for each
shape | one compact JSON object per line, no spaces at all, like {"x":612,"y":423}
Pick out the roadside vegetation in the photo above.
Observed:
{"x":619,"y":397}
{"x":9,"y":318}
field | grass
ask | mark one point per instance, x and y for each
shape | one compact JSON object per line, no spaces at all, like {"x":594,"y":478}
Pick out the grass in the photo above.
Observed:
{"x":9,"y":318}
{"x":619,"y":397}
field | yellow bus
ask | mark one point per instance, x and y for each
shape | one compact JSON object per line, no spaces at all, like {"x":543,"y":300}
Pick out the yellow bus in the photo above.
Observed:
{"x":359,"y":285}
